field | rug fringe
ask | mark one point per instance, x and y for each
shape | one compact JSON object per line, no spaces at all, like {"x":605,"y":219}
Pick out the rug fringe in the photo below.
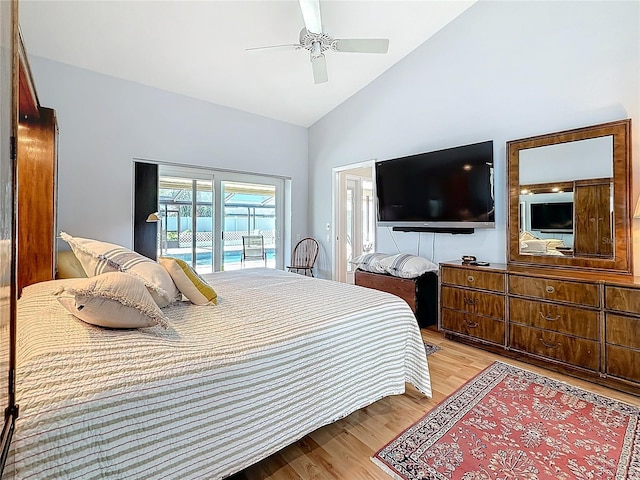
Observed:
{"x":385,"y":468}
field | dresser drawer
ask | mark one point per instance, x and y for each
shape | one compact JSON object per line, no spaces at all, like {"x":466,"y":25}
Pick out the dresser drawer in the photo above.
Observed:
{"x":623,"y":331}
{"x":623,"y":362}
{"x":473,"y":301}
{"x":556,"y":317}
{"x":576,"y":351}
{"x":488,"y":329}
{"x":622,"y":299}
{"x":473,"y":278}
{"x":557,"y":290}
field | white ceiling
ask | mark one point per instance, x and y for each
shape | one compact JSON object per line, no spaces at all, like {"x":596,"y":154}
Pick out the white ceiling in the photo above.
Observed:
{"x":197,"y":48}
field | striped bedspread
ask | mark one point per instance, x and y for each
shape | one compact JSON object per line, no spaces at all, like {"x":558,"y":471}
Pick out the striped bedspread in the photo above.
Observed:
{"x":223,"y":387}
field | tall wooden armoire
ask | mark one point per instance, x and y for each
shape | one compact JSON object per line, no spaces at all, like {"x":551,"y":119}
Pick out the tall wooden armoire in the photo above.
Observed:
{"x":593,"y":229}
{"x":37,"y":165}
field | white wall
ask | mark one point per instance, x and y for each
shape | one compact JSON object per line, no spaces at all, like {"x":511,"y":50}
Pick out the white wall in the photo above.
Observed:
{"x":501,"y":71}
{"x":105,"y":123}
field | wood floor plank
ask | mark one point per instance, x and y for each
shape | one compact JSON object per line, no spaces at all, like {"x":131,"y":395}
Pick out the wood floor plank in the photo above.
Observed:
{"x":343,"y":449}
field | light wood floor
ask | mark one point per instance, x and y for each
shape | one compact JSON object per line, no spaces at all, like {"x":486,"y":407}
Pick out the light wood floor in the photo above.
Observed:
{"x":343,"y":449}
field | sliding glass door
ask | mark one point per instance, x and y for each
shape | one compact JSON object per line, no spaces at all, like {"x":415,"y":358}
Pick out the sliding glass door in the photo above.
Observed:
{"x":186,"y":210}
{"x":220,"y":220}
{"x":249,"y":225}
{"x":250,"y":206}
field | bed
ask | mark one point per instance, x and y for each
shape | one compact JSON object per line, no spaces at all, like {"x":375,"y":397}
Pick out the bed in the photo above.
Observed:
{"x":223,"y":387}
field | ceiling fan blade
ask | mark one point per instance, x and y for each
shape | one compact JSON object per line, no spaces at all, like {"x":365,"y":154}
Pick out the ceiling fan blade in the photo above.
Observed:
{"x":362,"y":45}
{"x":289,"y":46}
{"x":319,"y":65}
{"x":311,"y":14}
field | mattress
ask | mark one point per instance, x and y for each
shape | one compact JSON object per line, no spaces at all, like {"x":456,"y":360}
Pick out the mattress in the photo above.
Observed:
{"x":225,"y":386}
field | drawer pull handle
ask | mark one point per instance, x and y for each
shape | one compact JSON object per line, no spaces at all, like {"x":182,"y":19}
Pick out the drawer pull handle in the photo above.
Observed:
{"x":471,"y":324}
{"x":549,"y":289}
{"x":548,"y":345}
{"x":470,"y":279}
{"x":549,"y":317}
{"x":470,"y":301}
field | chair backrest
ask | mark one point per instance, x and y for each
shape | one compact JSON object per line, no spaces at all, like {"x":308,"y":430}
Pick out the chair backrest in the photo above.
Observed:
{"x":253,"y":245}
{"x":305,"y":253}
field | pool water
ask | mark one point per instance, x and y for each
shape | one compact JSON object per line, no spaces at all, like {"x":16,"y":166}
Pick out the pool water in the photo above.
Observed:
{"x":231,"y":256}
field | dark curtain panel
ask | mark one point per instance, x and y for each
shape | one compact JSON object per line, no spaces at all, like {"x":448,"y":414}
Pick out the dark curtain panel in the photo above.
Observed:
{"x":145,"y":234}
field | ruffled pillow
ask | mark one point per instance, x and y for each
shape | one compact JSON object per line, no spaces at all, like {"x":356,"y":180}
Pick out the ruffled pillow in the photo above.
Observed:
{"x":99,"y":257}
{"x":113,"y":300}
{"x":405,"y":265}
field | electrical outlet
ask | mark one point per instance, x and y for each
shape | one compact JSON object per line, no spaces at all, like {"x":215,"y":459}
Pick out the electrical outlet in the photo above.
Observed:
{"x":328,"y":237}
{"x":298,"y":237}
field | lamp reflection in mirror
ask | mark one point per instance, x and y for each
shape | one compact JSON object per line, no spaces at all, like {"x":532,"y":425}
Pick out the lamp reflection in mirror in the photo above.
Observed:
{"x":155,"y":218}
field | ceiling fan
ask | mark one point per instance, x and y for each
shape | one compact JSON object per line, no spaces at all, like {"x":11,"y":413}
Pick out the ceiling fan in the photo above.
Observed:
{"x":312,"y":38}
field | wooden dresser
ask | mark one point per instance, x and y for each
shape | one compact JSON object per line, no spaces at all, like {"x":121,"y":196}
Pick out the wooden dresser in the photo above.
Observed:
{"x":473,"y":303}
{"x":622,"y":331}
{"x":579,"y":323}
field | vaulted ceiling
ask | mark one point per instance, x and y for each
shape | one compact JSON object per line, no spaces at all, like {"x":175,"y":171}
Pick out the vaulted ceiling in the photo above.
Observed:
{"x":197,"y":48}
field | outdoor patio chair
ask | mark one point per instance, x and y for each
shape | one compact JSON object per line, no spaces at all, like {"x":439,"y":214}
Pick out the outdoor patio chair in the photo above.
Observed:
{"x":304,"y":256}
{"x":253,"y":249}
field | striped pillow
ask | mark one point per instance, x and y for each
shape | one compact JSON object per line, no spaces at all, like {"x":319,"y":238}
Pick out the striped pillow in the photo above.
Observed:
{"x":370,"y":262}
{"x":189,"y":282}
{"x":407,"y":266}
{"x":99,"y":257}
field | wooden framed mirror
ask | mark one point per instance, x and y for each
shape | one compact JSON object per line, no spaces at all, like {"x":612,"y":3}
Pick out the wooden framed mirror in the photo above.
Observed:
{"x":569,"y":199}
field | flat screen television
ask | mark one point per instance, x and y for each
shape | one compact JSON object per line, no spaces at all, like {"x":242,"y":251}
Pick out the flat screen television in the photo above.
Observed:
{"x":440,"y":190}
{"x":552,"y":217}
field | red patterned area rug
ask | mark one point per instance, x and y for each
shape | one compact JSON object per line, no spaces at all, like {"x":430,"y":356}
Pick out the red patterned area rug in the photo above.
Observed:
{"x":511,"y":424}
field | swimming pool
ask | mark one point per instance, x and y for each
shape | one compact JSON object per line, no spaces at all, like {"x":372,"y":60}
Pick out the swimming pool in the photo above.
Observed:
{"x":230,"y":256}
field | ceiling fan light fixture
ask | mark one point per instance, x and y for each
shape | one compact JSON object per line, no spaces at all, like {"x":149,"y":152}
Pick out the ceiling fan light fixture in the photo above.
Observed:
{"x":316,"y":49}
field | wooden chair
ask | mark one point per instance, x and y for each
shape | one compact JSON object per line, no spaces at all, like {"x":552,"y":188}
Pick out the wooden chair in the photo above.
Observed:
{"x":253,"y":248}
{"x":304,"y":256}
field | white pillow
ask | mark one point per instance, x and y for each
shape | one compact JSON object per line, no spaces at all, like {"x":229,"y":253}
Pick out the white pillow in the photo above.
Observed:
{"x":369,"y":262}
{"x":114,"y":300}
{"x":99,"y":257}
{"x":407,"y":266}
{"x":527,"y":236}
{"x":189,"y":282}
{"x":543,"y":245}
{"x":533,"y":246}
{"x":552,"y":243}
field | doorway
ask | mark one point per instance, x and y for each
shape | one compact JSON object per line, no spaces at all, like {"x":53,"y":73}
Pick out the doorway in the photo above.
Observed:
{"x":203,"y":215}
{"x":354,"y":216}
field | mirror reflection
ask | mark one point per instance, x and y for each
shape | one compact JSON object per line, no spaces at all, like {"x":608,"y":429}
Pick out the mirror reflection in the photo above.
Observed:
{"x":566,"y":199}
